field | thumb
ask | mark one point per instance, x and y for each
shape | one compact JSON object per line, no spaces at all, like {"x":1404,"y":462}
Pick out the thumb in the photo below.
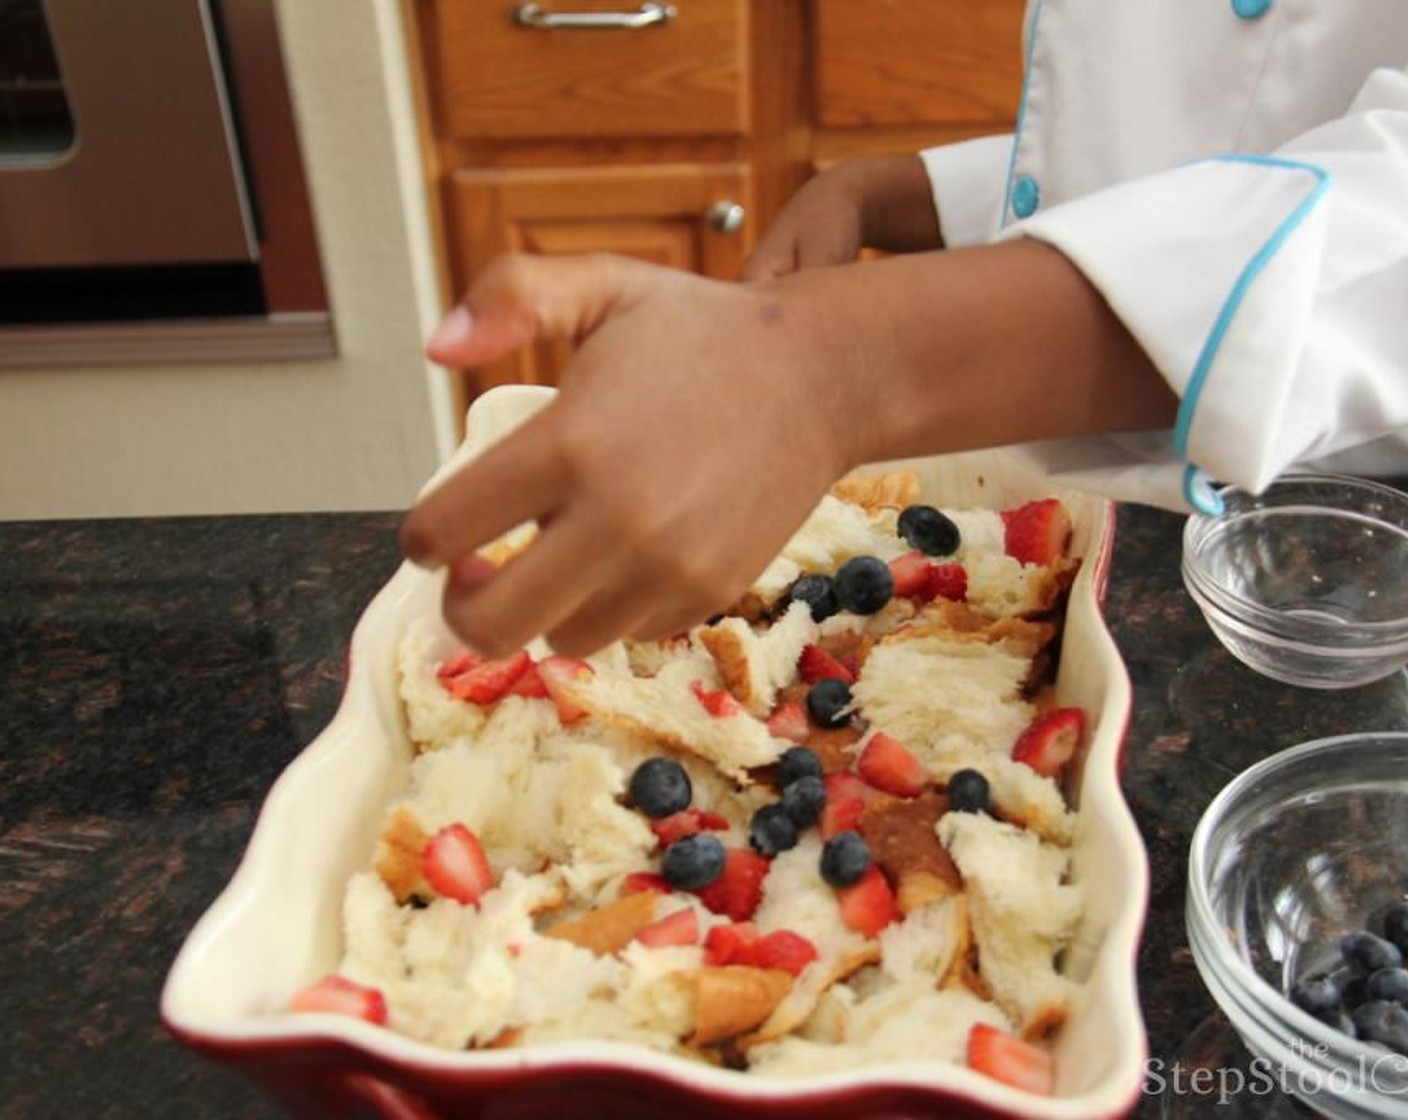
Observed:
{"x":520,"y":298}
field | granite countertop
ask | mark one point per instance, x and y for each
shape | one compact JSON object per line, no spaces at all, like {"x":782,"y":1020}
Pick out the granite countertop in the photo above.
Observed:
{"x":159,"y":674}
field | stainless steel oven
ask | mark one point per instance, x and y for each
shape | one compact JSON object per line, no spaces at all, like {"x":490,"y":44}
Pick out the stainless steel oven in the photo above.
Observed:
{"x":152,"y":197}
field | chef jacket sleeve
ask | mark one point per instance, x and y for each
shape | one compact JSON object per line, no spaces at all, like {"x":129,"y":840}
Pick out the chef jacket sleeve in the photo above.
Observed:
{"x":1270,"y":291}
{"x":967,"y":181}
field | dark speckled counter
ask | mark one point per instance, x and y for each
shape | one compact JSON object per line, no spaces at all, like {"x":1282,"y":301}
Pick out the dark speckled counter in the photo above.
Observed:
{"x":157,"y":675}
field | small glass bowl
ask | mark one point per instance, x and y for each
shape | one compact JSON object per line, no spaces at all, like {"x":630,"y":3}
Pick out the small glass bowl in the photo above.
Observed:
{"x":1297,"y":851}
{"x":1307,"y":582}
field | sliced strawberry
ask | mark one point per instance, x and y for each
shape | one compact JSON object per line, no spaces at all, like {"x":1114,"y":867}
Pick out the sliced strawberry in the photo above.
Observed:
{"x":729,"y":943}
{"x":782,"y":949}
{"x":454,"y":863}
{"x":557,"y":674}
{"x":789,"y":721}
{"x":679,"y":928}
{"x":846,"y":798}
{"x":456,"y":664}
{"x":718,"y":702}
{"x":1011,"y":1060}
{"x":638,"y":881}
{"x":816,"y":664}
{"x":1050,"y":740}
{"x":945,"y":581}
{"x":686,"y":823}
{"x":888,"y":765}
{"x":869,"y":906}
{"x":530,"y":684}
{"x":737,"y":891}
{"x":488,"y":680}
{"x":341,"y":996}
{"x":910,"y":573}
{"x":1037,"y":532}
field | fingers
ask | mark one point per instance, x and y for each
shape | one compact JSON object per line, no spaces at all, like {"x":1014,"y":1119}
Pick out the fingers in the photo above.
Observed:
{"x":769,"y":261}
{"x":519,"y":298}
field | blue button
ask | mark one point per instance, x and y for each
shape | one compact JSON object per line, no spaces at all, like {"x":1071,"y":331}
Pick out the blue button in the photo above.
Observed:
{"x":1251,"y":9}
{"x":1026,"y":197}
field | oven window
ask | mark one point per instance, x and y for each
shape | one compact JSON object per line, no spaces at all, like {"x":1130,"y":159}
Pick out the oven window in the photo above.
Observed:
{"x":35,"y":123}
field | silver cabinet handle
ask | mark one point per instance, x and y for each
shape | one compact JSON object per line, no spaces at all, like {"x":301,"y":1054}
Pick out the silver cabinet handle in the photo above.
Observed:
{"x":533,"y":15}
{"x":726,"y":216}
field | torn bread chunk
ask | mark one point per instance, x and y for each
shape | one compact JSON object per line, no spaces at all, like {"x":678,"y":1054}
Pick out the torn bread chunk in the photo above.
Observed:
{"x":874,"y":492}
{"x":834,"y":532}
{"x":1024,"y":913}
{"x":755,"y":665}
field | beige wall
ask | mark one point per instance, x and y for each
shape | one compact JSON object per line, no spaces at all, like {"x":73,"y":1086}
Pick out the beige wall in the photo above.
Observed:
{"x":360,"y":431}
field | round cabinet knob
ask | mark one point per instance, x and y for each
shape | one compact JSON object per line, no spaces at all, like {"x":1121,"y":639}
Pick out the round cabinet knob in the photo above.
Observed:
{"x":726,"y":216}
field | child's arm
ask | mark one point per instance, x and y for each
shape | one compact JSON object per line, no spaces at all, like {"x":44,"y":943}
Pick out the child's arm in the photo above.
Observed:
{"x":877,"y":202}
{"x":699,"y":421}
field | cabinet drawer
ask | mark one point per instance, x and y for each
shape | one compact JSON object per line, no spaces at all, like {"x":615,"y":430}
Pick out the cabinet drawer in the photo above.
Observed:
{"x":917,"y":62}
{"x":496,"y":78}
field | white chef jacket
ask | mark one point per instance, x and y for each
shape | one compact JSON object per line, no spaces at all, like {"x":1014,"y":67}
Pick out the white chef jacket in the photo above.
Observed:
{"x":1232,"y":175}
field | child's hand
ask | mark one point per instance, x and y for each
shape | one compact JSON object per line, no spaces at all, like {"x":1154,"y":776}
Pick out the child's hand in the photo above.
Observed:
{"x":882,"y":202}
{"x":688,"y":441}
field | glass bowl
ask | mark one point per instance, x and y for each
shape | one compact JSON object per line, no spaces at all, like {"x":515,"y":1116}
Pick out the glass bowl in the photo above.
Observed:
{"x":1296,"y":852}
{"x":1306,"y":582}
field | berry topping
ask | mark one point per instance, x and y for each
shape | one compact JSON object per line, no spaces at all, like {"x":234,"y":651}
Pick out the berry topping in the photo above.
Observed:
{"x":969,"y":792}
{"x":795,"y":763}
{"x":817,"y":592}
{"x":1038,"y":532}
{"x":1050,"y":740}
{"x":863,"y":584}
{"x":829,"y":701}
{"x":804,"y":800}
{"x":846,"y":799}
{"x":1388,"y":983}
{"x":485,"y":681}
{"x":945,"y":581}
{"x":341,"y":996}
{"x":694,"y":861}
{"x":718,"y":702}
{"x":844,"y":859}
{"x":660,"y":787}
{"x":454,"y":864}
{"x":558,"y":675}
{"x":530,"y":685}
{"x":772,"y":830}
{"x":738,"y":890}
{"x":910,"y":573}
{"x":781,"y":949}
{"x":679,"y":928}
{"x":1384,"y":1022}
{"x":729,"y":943}
{"x":869,"y":906}
{"x":679,"y":825}
{"x":789,"y":721}
{"x":816,"y":664}
{"x":1011,"y":1060}
{"x":1366,"y":954}
{"x":888,"y":765}
{"x":1396,"y":925}
{"x":1318,"y":997}
{"x":928,"y":530}
{"x":638,"y":882}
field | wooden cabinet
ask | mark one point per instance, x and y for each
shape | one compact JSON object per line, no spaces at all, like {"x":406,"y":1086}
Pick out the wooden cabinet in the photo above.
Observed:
{"x":675,"y":132}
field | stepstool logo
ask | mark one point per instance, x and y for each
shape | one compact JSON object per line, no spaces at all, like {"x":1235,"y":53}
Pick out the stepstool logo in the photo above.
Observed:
{"x":1383,"y":1073}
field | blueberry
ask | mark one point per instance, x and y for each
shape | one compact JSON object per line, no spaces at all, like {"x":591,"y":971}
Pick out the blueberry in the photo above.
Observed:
{"x":660,"y":787}
{"x":1388,"y":983}
{"x":817,"y":592}
{"x":772,"y":830}
{"x":797,"y":762}
{"x":1318,"y":996}
{"x":928,"y":530}
{"x":693,"y":861}
{"x":968,"y":792}
{"x":863,"y":584}
{"x":828,"y":701}
{"x":1383,"y":1022}
{"x":804,"y":800}
{"x":844,"y":859}
{"x":1365,"y":953}
{"x":1396,"y":925}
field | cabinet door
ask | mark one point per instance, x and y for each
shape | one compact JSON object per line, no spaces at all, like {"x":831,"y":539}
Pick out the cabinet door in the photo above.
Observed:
{"x":674,"y":215}
{"x":950,"y":64}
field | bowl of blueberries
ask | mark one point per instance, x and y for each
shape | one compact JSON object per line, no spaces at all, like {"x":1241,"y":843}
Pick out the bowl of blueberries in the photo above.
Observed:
{"x":1297,"y":917}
